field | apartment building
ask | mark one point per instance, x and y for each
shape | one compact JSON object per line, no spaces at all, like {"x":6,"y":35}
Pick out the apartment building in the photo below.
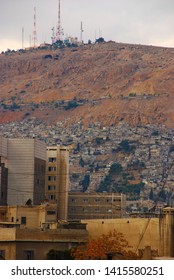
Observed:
{"x":96,"y":205}
{"x":3,"y":171}
{"x":26,"y":171}
{"x":57,"y":178}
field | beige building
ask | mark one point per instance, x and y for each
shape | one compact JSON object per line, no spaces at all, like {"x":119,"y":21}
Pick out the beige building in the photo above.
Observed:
{"x":26,"y":171}
{"x":29,"y":216}
{"x":57,"y":179}
{"x":30,"y":232}
{"x":96,"y":205}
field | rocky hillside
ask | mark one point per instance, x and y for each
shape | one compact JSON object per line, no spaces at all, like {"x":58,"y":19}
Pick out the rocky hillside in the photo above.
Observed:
{"x":106,"y":83}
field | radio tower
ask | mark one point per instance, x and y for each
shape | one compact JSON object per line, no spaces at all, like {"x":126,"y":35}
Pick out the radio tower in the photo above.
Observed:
{"x":81,"y":33}
{"x":59,"y":33}
{"x":34,"y":30}
{"x":53,"y":38}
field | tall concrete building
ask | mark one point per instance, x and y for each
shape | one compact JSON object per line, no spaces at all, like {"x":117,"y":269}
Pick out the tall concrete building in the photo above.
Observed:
{"x":3,"y":183}
{"x":3,"y":171}
{"x":26,"y":171}
{"x":57,"y":178}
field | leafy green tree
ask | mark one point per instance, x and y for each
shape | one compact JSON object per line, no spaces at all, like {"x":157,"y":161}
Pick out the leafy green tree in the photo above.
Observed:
{"x":151,"y":195}
{"x":81,"y":162}
{"x":100,"y":40}
{"x":105,"y":184}
{"x":86,"y":182}
{"x":171,"y":149}
{"x":116,"y":168}
{"x":162,"y":195}
{"x":125,"y":146}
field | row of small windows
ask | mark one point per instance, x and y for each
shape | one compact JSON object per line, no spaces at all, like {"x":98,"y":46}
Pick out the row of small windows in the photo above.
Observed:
{"x":51,"y":212}
{"x":97,"y":210}
{"x":95,"y":200}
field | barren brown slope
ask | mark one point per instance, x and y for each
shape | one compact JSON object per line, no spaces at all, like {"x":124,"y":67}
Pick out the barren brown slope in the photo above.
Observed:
{"x":115,"y":81}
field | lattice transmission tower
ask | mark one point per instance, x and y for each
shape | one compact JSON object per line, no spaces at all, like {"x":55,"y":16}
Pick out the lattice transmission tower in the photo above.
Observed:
{"x":34,"y":38}
{"x":59,"y":33}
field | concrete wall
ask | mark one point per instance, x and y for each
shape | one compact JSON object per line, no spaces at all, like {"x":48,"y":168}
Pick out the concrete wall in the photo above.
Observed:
{"x":139,"y":232}
{"x":7,"y":234}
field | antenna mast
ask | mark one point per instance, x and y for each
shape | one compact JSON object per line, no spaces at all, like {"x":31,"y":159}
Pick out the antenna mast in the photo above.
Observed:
{"x":34,"y":30}
{"x":81,"y":33}
{"x":53,"y":38}
{"x":59,"y":33}
{"x":22,"y":38}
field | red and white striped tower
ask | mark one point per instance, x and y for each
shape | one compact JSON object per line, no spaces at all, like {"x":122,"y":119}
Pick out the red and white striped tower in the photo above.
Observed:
{"x":34,"y":39}
{"x":59,"y":33}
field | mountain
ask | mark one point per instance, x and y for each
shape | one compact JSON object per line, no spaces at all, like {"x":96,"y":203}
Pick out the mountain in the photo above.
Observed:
{"x":107,"y":83}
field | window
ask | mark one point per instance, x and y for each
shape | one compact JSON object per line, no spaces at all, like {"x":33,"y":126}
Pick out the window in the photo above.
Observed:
{"x":52,"y":159}
{"x":97,"y":199}
{"x":29,"y":255}
{"x":51,"y":187}
{"x":117,"y":199}
{"x":109,"y":210}
{"x":23,"y":220}
{"x":52,"y":168}
{"x":85,"y":200}
{"x":97,"y":210}
{"x":52,"y":178}
{"x":2,"y":254}
{"x":51,"y":212}
{"x":51,"y":197}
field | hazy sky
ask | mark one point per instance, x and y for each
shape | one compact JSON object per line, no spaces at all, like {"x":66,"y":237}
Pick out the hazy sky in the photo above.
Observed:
{"x":128,"y":21}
